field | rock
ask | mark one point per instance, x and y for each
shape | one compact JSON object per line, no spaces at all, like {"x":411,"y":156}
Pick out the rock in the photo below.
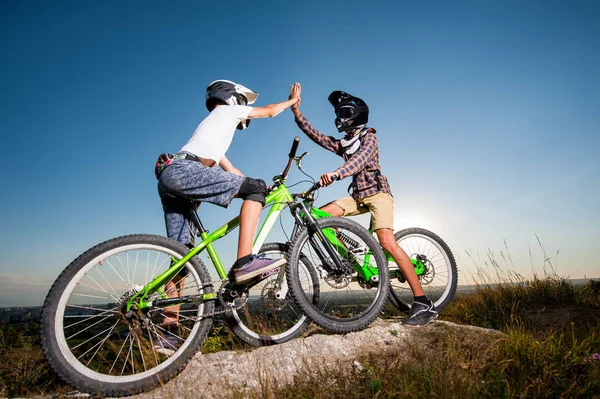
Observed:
{"x":217,"y":375}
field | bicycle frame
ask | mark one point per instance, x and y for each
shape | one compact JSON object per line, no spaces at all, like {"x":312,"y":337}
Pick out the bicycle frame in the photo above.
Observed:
{"x":278,"y":198}
{"x":366,"y":270}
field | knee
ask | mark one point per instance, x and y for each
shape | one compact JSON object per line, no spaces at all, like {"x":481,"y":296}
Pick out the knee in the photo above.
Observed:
{"x":333,"y":209}
{"x":387,"y":240}
{"x":253,"y":190}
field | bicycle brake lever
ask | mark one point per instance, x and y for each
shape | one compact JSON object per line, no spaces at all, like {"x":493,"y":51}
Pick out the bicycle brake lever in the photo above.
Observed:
{"x":299,"y":159}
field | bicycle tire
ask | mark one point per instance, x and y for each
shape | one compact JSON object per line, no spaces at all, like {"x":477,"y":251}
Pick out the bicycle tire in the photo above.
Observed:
{"x":65,"y":303}
{"x":264,"y":319}
{"x":344,"y":305}
{"x":442,"y":269}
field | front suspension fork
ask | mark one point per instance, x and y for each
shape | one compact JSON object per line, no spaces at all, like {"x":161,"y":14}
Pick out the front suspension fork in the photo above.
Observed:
{"x":314,"y":236}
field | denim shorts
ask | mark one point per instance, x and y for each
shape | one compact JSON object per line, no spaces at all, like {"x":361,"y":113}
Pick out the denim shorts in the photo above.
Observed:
{"x":193,"y":181}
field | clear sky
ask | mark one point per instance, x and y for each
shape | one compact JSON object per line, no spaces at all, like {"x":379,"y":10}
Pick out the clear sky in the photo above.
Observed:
{"x":487,"y":114}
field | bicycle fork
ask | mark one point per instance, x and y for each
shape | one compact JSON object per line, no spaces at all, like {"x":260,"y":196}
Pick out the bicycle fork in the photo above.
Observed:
{"x":318,"y":241}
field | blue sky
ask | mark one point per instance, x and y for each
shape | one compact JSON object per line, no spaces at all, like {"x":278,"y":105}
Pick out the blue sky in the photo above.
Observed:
{"x":486,"y":111}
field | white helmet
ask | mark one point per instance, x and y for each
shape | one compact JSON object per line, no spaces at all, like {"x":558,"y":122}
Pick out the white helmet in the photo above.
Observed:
{"x":229,"y":93}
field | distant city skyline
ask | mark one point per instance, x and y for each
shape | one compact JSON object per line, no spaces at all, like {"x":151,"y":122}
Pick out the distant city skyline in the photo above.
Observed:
{"x":486,"y":114}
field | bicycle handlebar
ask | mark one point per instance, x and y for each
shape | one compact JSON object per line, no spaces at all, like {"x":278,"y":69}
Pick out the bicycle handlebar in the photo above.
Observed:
{"x":294,"y":147}
{"x":291,"y":155}
{"x":316,"y":186}
{"x":285,"y":172}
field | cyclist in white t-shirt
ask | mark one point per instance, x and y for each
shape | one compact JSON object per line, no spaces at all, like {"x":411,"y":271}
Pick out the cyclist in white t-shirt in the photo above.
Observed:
{"x":192,"y":173}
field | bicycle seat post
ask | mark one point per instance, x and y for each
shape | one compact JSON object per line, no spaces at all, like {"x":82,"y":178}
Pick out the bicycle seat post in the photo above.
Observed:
{"x":195,"y":219}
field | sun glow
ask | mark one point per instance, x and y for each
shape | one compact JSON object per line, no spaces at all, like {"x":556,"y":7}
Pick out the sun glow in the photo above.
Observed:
{"x":412,"y":218}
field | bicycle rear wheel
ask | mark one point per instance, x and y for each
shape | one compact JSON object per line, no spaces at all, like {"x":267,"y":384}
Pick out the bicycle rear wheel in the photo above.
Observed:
{"x":441,"y":273}
{"x":98,"y":347}
{"x":347,"y":302}
{"x":269,"y":315}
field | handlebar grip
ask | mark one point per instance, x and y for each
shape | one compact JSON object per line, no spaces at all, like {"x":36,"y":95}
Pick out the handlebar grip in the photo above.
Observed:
{"x":317,"y":184}
{"x":294,"y":147}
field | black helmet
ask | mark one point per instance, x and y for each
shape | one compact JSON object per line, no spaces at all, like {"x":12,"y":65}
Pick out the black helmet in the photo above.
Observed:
{"x":229,"y":93}
{"x":350,"y":111}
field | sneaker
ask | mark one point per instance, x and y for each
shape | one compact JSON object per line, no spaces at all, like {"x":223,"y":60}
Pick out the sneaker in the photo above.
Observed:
{"x":165,"y":344}
{"x":258,"y":266}
{"x":420,"y":314}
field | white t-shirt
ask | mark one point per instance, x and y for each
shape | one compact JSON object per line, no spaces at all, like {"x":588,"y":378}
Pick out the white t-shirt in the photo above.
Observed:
{"x":214,"y":134}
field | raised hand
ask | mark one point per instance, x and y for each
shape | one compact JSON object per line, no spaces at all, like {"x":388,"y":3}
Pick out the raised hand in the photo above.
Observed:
{"x":295,"y":91}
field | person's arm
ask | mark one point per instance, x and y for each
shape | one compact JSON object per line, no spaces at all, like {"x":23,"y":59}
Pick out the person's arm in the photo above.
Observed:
{"x":360,"y":159}
{"x":227,"y":166}
{"x":327,"y":142}
{"x":272,"y":110}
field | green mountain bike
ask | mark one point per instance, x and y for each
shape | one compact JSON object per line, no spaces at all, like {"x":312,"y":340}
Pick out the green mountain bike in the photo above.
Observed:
{"x":129,"y":313}
{"x":431,"y":257}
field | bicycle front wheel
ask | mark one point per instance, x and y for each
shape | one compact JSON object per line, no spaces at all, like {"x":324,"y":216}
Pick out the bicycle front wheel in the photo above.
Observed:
{"x":352,"y":290}
{"x":440,"y":275}
{"x":96,"y":345}
{"x":269,"y":316}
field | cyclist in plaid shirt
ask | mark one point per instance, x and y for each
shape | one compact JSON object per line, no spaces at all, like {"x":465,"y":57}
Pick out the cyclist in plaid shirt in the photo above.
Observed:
{"x":370,"y":189}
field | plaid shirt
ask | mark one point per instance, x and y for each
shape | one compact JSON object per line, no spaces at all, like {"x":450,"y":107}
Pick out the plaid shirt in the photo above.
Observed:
{"x":363,"y":165}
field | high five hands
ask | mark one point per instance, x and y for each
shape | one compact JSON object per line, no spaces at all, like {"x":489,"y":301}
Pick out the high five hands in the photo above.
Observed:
{"x":295,"y":91}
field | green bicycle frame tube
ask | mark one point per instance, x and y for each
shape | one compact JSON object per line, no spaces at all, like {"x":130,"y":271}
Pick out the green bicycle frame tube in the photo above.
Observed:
{"x":279,"y":198}
{"x":366,"y":271}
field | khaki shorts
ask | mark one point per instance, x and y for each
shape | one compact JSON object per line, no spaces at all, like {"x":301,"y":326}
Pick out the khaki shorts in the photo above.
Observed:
{"x":381,"y":206}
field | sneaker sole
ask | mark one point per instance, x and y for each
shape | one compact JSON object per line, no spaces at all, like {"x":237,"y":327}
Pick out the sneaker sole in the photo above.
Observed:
{"x":250,"y":276}
{"x":422,"y":325}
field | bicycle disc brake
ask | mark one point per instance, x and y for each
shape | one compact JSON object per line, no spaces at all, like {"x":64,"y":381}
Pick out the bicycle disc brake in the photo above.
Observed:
{"x":429,"y":273}
{"x":338,"y":280}
{"x":268,"y":295}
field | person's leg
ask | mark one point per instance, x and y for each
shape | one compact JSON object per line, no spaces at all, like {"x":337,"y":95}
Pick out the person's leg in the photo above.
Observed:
{"x":180,"y":183}
{"x":381,"y":207}
{"x":173,"y":289}
{"x":177,"y":225}
{"x":333,"y":209}
{"x":249,"y":216}
{"x":195,"y":181}
{"x":346,"y":206}
{"x":249,"y":266}
{"x":388,"y":242}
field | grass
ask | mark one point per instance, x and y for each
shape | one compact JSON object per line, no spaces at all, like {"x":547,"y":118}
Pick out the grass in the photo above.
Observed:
{"x":549,"y":349}
{"x":537,"y":356}
{"x":23,"y":368}
{"x":25,"y":372}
